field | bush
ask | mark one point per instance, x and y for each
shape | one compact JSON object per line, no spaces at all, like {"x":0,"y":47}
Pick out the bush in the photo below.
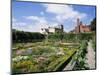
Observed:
{"x":23,"y":37}
{"x":71,"y":37}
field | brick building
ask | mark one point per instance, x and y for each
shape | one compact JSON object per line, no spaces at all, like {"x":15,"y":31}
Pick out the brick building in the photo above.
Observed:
{"x":81,"y":28}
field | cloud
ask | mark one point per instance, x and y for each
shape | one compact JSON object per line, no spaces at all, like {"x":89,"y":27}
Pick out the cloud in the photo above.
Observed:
{"x":15,"y":22}
{"x":13,"y":19}
{"x":40,"y":20}
{"x":34,"y":26}
{"x":18,"y":25}
{"x":25,"y":27}
{"x":37,"y":23}
{"x":63,"y":12}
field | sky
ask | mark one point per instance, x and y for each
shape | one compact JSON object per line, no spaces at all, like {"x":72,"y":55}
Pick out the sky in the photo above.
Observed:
{"x":32,"y":16}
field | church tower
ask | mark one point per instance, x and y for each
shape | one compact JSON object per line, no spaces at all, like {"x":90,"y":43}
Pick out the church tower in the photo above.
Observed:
{"x":78,"y":25}
{"x":78,"y":21}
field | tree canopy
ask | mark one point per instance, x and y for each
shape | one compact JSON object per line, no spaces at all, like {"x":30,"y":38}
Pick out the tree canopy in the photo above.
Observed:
{"x":21,"y":36}
{"x":93,"y":24}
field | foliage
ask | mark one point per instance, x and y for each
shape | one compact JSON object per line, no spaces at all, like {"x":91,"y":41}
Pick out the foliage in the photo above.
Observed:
{"x":93,"y":24}
{"x":44,"y":58}
{"x":21,"y":36}
{"x":44,"y":54}
{"x":80,"y":59}
{"x":19,"y":58}
{"x":24,"y":66}
{"x":71,"y":37}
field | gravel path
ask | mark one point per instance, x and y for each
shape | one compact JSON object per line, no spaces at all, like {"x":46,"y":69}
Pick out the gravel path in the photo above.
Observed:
{"x":90,"y":56}
{"x":70,"y":65}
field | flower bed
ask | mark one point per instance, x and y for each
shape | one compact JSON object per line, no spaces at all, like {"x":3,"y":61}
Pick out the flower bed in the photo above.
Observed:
{"x":41,"y":58}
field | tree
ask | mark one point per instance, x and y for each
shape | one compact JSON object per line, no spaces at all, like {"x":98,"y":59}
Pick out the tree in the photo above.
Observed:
{"x":22,"y":36}
{"x":93,"y":24}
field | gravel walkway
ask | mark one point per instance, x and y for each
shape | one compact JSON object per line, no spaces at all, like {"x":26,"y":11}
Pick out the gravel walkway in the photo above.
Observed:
{"x":90,"y":56}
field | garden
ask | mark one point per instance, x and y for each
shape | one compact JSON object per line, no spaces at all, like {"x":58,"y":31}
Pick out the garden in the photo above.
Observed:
{"x":40,"y":57}
{"x":51,"y":54}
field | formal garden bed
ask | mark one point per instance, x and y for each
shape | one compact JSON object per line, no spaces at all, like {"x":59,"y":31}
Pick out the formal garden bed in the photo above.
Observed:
{"x":40,"y":57}
{"x":35,"y":52}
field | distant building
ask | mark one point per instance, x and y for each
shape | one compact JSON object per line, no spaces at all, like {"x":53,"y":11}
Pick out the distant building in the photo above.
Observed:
{"x":81,"y":28}
{"x":50,"y":30}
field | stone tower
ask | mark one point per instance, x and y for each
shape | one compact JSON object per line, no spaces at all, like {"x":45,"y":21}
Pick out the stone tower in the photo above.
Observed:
{"x":78,"y":21}
{"x":78,"y":25}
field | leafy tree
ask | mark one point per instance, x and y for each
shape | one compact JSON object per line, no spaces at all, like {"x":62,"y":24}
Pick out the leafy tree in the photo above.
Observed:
{"x":21,"y":36}
{"x":93,"y":24}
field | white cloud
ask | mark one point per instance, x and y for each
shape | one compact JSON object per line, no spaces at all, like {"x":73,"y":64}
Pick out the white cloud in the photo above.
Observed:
{"x":25,"y":27}
{"x":55,"y":8}
{"x":13,"y":19}
{"x":32,"y":17}
{"x":63,"y":12}
{"x":41,"y":20}
{"x":38,"y":23}
{"x":19,"y":23}
{"x":16,"y":23}
{"x":34,"y":26}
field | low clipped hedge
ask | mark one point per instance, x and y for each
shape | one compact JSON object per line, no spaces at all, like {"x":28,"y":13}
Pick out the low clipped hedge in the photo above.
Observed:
{"x":71,"y":37}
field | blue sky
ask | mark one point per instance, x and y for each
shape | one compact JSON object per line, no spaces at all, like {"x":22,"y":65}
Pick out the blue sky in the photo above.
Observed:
{"x":30,"y":16}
